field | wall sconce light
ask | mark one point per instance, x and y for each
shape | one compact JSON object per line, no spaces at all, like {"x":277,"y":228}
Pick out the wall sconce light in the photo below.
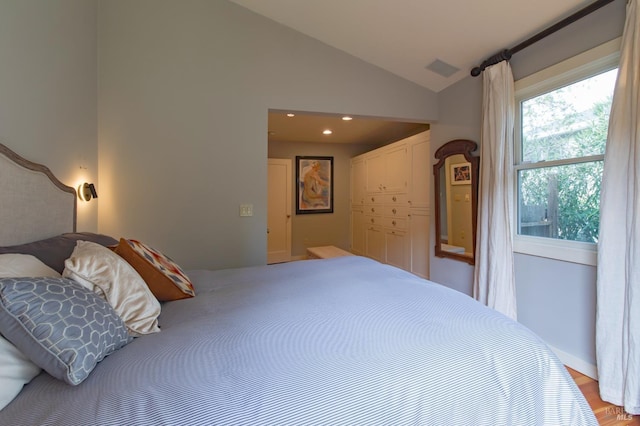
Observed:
{"x":87,"y":191}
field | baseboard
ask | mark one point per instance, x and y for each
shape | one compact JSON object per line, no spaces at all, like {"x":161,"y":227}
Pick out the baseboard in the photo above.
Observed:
{"x":577,"y":364}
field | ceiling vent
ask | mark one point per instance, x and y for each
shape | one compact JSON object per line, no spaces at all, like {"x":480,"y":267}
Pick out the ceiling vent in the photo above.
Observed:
{"x":442,"y":68}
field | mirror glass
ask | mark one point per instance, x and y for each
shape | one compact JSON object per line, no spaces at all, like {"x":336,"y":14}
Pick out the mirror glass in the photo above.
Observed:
{"x":456,"y":189}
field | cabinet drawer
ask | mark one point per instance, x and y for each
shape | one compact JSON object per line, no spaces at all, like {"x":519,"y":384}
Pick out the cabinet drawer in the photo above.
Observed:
{"x":394,"y":222}
{"x":396,"y":211}
{"x":372,"y":220}
{"x":396,"y":199}
{"x":373,"y":199}
{"x":374,"y":209}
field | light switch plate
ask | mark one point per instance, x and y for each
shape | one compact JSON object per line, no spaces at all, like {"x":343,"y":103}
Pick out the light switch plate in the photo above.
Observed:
{"x":246,"y":209}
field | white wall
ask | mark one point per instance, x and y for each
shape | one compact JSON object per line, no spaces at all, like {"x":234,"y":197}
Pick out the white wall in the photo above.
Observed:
{"x":184,"y":92}
{"x":48,"y":89}
{"x":555,"y":299}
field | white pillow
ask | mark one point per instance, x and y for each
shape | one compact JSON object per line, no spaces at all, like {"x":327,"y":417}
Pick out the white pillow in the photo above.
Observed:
{"x":101,"y":270}
{"x":24,"y":265}
{"x":15,"y":371}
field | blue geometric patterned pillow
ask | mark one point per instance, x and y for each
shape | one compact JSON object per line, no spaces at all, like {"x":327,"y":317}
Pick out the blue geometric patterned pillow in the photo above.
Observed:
{"x":61,"y":326}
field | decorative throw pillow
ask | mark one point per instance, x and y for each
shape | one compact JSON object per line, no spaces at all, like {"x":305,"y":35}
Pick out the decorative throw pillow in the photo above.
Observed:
{"x":61,"y":326}
{"x":101,"y":270}
{"x":55,"y":250}
{"x":164,"y":277}
{"x":15,"y":371}
{"x":24,"y":265}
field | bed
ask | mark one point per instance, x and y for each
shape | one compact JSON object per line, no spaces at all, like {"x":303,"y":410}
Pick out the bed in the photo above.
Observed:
{"x":341,"y":341}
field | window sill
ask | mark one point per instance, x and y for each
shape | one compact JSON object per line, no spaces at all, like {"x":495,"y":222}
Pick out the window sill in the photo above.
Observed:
{"x":567,"y":251}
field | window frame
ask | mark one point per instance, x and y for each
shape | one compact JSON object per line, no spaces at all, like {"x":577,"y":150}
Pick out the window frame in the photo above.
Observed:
{"x":587,"y":64}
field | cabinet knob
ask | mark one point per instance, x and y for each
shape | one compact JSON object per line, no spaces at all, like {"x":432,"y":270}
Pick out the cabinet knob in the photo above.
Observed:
{"x":393,"y":223}
{"x":373,"y":220}
{"x":373,"y":210}
{"x":394,"y":199}
{"x":394,"y":211}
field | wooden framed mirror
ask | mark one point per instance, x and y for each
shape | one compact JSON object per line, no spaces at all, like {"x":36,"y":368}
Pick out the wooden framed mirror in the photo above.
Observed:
{"x":456,"y":200}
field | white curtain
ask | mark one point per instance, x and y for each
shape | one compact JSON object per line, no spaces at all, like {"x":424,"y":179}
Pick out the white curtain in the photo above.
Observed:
{"x":618,"y":276}
{"x":494,"y":279}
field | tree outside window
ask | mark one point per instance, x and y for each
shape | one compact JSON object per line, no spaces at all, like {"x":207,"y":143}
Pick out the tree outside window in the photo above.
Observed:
{"x":559,"y":169}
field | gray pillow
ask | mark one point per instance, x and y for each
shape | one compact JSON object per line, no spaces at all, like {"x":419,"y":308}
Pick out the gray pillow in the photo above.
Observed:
{"x":55,"y":250}
{"x":61,"y":326}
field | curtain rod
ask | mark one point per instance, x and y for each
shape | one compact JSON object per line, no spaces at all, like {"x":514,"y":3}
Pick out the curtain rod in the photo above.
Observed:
{"x":506,"y":54}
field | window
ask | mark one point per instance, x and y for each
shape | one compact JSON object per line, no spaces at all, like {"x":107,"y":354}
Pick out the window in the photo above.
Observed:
{"x":562,"y":119}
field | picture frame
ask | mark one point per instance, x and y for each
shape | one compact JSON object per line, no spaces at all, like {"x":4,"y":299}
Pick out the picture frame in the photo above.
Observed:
{"x":314,"y":184}
{"x":461,"y":174}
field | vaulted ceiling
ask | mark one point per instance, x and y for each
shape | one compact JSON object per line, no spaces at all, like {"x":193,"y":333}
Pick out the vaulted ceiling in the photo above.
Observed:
{"x":406,"y":36}
{"x":419,"y":40}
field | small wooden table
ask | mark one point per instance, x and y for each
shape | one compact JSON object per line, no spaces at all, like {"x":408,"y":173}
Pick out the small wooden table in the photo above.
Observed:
{"x":325,"y":252}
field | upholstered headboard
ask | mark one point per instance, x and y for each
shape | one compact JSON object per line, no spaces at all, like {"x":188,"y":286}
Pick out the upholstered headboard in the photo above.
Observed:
{"x":34,"y":204}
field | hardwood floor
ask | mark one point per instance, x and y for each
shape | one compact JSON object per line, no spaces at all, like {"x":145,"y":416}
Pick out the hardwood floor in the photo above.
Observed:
{"x":606,"y":413}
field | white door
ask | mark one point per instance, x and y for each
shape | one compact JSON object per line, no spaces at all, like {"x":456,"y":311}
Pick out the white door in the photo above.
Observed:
{"x":358,"y":233}
{"x":279,"y":211}
{"x":419,"y":241}
{"x":395,"y":170}
{"x":358,"y":181}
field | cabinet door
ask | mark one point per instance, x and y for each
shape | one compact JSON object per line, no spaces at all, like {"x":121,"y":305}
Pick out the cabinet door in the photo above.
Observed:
{"x":397,"y":248}
{"x":375,"y":172}
{"x":395,"y":170}
{"x":358,"y":181}
{"x":419,"y":242}
{"x":374,"y":243}
{"x":421,"y":172}
{"x":358,"y":227}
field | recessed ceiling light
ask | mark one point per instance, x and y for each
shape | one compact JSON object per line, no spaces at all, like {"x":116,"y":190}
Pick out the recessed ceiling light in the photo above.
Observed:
{"x":327,"y":132}
{"x":347,"y":118}
{"x":291,"y":115}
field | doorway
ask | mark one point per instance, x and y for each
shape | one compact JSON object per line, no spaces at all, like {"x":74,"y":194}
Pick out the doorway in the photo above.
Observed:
{"x":279,"y":210}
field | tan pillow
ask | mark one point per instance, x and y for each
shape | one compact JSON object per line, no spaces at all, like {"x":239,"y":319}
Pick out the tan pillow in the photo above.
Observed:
{"x":104,"y":272}
{"x":164,"y":277}
{"x":14,"y":265}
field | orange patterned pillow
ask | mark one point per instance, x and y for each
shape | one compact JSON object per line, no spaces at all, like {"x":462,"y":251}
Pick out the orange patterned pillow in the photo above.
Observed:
{"x":166,"y":280}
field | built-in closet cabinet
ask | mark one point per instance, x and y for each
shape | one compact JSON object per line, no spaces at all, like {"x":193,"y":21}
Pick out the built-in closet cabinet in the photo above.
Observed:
{"x":386,"y":170}
{"x":390,"y":204}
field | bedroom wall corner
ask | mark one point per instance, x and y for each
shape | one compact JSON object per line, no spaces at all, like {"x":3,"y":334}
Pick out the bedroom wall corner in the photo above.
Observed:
{"x":48,"y":82}
{"x":459,"y":118}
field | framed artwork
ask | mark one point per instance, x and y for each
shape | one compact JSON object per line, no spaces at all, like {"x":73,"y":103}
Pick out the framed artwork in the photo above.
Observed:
{"x":314,"y":185}
{"x":461,"y":174}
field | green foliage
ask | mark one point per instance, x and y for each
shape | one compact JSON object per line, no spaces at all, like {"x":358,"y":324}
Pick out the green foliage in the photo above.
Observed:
{"x":568,"y":194}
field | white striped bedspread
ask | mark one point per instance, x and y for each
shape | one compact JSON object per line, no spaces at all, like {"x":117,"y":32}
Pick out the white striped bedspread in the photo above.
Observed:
{"x":342,"y":341}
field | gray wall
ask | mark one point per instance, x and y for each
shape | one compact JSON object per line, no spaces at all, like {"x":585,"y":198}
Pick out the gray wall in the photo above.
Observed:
{"x":184,"y":93}
{"x":310,"y":230}
{"x":555,"y":299}
{"x":48,"y":89}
